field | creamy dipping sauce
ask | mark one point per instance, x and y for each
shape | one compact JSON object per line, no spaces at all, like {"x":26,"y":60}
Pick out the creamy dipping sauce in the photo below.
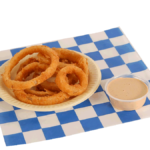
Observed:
{"x":127,"y":88}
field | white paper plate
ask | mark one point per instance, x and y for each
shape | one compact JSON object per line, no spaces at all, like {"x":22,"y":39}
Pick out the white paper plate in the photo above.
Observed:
{"x":94,"y":82}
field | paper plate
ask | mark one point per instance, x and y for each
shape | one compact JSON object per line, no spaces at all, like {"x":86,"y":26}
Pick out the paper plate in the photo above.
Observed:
{"x":94,"y":82}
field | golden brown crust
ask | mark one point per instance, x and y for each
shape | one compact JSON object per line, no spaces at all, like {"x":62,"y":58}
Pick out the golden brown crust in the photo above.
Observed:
{"x":44,"y":75}
{"x":72,"y":90}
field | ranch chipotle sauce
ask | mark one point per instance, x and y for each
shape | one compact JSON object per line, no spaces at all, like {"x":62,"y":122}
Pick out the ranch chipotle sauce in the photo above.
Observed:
{"x":127,"y":88}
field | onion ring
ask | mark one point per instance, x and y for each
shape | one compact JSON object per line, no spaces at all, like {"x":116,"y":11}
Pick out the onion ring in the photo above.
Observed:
{"x":33,"y":99}
{"x":44,"y":75}
{"x":72,"y":90}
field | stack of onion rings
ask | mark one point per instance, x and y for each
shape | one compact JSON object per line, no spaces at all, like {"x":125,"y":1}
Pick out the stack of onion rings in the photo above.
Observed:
{"x":69,"y":68}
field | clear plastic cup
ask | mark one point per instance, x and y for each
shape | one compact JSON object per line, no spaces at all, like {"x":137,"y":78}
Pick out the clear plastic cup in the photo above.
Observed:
{"x":127,"y":105}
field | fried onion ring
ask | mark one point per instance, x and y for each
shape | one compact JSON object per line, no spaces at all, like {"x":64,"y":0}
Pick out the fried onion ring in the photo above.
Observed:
{"x":12,"y":84}
{"x":72,"y":90}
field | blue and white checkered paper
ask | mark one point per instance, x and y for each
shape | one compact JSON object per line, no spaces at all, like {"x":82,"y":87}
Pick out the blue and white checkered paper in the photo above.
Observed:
{"x":114,"y":55}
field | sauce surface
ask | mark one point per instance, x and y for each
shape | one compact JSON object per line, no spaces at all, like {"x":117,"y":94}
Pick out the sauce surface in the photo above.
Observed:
{"x":127,"y":88}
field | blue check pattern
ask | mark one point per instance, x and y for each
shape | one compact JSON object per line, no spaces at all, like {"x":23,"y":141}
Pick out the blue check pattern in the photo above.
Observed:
{"x":113,"y":54}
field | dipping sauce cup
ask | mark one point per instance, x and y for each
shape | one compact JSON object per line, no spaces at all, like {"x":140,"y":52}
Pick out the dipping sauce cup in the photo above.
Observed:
{"x":116,"y":86}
